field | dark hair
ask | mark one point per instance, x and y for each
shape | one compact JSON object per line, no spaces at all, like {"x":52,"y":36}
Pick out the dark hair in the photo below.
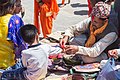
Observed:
{"x":28,"y":33}
{"x":104,"y":18}
{"x":6,"y":7}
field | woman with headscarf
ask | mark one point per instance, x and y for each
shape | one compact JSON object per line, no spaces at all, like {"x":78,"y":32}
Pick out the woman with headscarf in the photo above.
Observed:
{"x":48,"y":10}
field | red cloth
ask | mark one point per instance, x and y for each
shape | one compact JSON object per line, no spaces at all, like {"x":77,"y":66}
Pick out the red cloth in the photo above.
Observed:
{"x":89,"y":7}
{"x":63,"y":2}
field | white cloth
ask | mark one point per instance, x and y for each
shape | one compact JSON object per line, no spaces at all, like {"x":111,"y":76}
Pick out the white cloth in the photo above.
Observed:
{"x":36,"y":60}
{"x":118,"y":51}
{"x":90,"y":54}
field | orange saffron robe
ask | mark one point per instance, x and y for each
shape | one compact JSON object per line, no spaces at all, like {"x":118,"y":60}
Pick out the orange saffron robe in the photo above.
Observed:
{"x":46,"y":22}
{"x":63,"y":2}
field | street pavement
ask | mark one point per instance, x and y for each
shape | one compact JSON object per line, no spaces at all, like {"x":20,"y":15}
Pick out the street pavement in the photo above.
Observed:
{"x":68,"y":15}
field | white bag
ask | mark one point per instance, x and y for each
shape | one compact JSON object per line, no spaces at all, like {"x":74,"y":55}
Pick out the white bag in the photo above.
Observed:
{"x":108,"y":72}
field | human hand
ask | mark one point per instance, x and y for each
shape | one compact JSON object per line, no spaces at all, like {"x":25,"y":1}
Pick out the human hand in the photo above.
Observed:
{"x":63,"y":41}
{"x":48,"y":14}
{"x":22,"y":12}
{"x":71,"y":49}
{"x":113,"y":53}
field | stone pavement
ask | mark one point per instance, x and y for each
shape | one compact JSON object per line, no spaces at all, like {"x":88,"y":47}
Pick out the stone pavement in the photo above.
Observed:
{"x":68,"y":15}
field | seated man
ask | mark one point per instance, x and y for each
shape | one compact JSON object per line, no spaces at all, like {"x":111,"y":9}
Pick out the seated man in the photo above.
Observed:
{"x":99,"y":35}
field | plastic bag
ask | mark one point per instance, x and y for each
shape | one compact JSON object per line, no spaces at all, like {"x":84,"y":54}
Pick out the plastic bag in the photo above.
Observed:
{"x":108,"y":72}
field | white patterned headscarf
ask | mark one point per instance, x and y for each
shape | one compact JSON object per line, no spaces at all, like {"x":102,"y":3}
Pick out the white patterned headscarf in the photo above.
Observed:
{"x":101,"y":10}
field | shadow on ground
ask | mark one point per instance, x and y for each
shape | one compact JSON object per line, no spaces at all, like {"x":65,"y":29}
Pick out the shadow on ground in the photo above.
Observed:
{"x":82,"y":12}
{"x":79,"y":5}
{"x":60,"y":5}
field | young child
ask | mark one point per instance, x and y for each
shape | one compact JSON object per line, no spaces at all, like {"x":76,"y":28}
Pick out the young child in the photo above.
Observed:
{"x":34,"y":59}
{"x":13,"y":34}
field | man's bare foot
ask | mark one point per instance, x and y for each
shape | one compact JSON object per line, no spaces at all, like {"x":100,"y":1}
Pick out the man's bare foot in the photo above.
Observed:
{"x":62,"y":5}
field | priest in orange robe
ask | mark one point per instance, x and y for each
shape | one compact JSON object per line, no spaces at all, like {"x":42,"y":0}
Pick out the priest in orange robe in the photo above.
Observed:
{"x":44,"y":13}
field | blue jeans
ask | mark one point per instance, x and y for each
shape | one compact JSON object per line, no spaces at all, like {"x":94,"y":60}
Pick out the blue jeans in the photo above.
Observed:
{"x":15,"y":72}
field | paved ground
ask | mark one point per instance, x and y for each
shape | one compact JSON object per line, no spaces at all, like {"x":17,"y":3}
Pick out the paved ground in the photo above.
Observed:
{"x":68,"y":15}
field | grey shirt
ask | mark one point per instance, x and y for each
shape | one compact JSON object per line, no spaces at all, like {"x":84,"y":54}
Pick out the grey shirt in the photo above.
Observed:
{"x":36,"y":60}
